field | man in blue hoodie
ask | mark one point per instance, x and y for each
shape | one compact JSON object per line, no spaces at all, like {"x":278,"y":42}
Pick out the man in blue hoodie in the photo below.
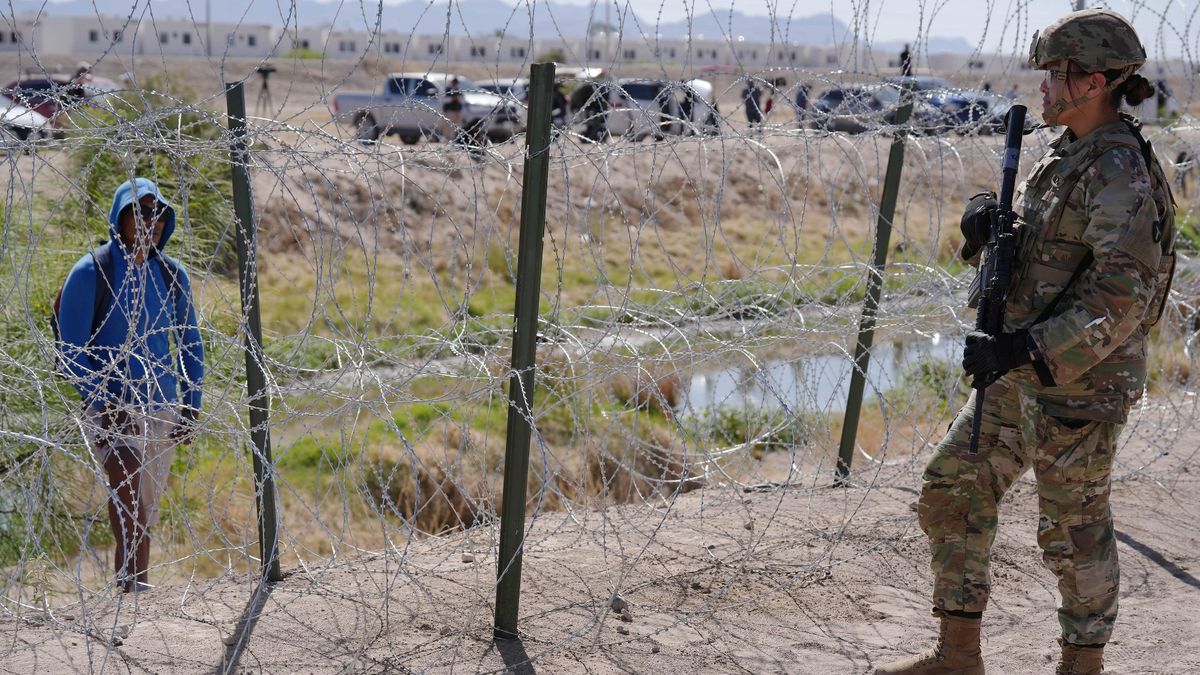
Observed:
{"x":142,"y":392}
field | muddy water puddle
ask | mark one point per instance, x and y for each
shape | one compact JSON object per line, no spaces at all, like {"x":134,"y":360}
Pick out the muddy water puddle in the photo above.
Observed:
{"x":810,"y":382}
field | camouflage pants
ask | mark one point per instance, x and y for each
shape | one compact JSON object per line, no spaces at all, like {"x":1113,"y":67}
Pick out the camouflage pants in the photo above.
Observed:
{"x":961,"y":492}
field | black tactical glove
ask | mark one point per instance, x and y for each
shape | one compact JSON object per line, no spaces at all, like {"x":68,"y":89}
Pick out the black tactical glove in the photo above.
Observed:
{"x":985,"y":353}
{"x":976,"y":223}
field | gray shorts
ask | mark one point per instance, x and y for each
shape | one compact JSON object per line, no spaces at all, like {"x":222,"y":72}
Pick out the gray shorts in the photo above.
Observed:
{"x":153,"y":445}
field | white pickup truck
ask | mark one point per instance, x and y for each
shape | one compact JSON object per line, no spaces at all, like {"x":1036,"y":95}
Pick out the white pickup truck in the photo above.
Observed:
{"x":409,"y":105}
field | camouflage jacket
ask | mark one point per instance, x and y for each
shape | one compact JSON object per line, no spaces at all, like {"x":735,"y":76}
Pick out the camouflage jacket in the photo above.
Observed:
{"x":1089,"y":204}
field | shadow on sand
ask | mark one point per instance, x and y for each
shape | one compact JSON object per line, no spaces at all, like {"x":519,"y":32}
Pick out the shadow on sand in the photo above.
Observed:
{"x":1158,"y":559}
{"x":245,"y":627}
{"x":516,"y":661}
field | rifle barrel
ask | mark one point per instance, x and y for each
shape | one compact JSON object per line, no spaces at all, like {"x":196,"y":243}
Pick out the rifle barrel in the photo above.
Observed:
{"x":1012,"y":154}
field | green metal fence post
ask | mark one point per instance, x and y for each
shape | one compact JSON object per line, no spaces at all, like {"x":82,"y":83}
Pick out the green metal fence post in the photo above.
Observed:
{"x":521,"y":384}
{"x":866,"y":326}
{"x":256,"y":380}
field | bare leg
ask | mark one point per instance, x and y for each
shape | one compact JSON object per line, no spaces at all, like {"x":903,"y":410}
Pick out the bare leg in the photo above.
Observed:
{"x":131,"y":558}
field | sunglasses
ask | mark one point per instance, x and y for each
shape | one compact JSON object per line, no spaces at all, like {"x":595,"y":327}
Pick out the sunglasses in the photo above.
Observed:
{"x":1060,"y":74}
{"x":152,"y":213}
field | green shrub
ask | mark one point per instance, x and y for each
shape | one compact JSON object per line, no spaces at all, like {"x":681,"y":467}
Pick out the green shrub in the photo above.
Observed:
{"x":309,"y":453}
{"x":172,"y":142}
{"x":304,"y":53}
{"x":932,"y":380}
{"x":763,"y":429}
{"x":556,"y":55}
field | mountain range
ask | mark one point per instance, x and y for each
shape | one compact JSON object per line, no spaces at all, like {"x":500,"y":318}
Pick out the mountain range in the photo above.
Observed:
{"x":488,"y":17}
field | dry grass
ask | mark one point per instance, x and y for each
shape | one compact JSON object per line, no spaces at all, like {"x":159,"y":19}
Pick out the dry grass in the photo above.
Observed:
{"x":647,"y":391}
{"x":428,"y":500}
{"x":437,"y":240}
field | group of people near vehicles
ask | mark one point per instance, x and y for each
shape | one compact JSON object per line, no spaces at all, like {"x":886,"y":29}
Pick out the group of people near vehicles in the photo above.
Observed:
{"x":636,"y":108}
{"x":758,"y":111}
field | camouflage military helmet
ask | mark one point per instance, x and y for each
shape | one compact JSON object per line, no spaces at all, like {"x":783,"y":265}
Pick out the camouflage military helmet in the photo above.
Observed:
{"x":1096,"y":39}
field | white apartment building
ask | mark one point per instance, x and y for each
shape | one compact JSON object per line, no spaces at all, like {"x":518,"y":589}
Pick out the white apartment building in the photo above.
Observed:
{"x":708,"y":52}
{"x":294,"y":38}
{"x":89,"y":37}
{"x":345,"y":44}
{"x":93,"y":35}
{"x":185,"y":37}
{"x":74,"y":35}
{"x":178,"y":37}
{"x":393,"y":44}
{"x":513,"y":49}
{"x":13,"y":34}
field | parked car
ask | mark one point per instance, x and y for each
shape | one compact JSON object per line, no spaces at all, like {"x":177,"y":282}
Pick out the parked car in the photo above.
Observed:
{"x":921,"y":82}
{"x":641,"y":108}
{"x":409,"y":105}
{"x":514,"y":92}
{"x":52,"y":96}
{"x":962,"y":110}
{"x":19,"y":124}
{"x":516,"y":89}
{"x":992,"y":110}
{"x":860,"y":108}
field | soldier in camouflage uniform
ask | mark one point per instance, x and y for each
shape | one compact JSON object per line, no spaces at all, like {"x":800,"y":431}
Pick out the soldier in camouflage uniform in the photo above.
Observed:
{"x":1095,"y":226}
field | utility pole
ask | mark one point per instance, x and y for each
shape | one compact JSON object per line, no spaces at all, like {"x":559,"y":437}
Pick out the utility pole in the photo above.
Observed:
{"x":608,"y":33}
{"x":208,"y":27}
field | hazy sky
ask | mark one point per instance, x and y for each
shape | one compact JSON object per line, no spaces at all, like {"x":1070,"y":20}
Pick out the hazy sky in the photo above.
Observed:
{"x":1001,"y":25}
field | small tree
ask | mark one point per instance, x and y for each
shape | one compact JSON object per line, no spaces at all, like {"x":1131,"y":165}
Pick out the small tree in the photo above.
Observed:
{"x":556,"y":55}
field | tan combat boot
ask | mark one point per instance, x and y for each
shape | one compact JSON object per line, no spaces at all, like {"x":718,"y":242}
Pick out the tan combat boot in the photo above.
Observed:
{"x":1078,"y":660}
{"x":956,"y":652}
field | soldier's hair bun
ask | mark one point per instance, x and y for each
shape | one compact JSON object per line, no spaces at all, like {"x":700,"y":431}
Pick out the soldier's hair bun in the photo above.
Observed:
{"x":1134,"y":90}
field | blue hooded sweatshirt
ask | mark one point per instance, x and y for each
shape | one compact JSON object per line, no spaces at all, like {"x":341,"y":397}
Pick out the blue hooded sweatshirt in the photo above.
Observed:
{"x":130,"y":358}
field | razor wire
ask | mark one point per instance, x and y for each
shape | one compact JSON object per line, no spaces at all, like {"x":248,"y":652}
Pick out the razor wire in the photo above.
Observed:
{"x":702,"y":285}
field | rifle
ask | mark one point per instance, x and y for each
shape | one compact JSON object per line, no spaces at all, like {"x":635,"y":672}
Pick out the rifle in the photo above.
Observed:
{"x":997,"y":268}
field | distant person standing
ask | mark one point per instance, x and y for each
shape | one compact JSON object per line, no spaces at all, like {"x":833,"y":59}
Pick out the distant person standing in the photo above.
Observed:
{"x":906,"y":67}
{"x":752,"y":98}
{"x":83,"y":73}
{"x":452,"y":108}
{"x":802,"y":103}
{"x":560,"y":107}
{"x":1162,"y":98}
{"x":772,"y":92}
{"x":74,"y":94}
{"x":595,"y":111}
{"x":687,"y":110}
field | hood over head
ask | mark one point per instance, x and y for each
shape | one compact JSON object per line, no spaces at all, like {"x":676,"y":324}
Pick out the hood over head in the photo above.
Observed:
{"x":133,"y":190}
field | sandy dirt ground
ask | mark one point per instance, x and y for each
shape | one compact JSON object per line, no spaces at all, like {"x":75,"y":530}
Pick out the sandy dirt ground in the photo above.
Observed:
{"x":801,"y":579}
